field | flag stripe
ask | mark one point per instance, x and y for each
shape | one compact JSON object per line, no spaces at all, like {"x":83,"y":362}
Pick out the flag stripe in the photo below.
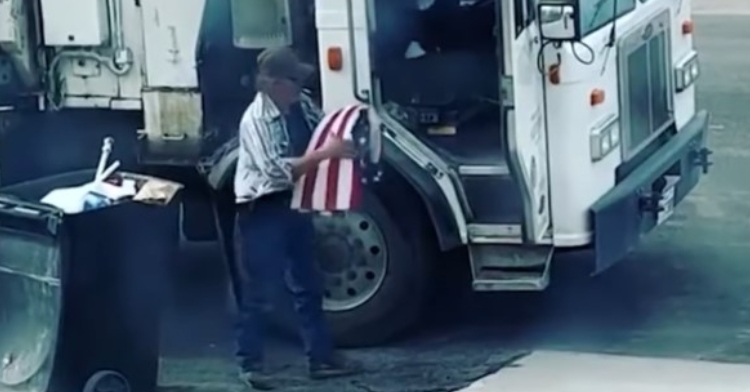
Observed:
{"x":322,"y":132}
{"x":344,"y":186}
{"x":335,"y":184}
{"x":332,"y":184}
{"x":349,"y":181}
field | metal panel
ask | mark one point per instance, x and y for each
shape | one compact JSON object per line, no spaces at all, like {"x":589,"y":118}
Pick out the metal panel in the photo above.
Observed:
{"x":526,"y":129}
{"x":170,"y":30}
{"x":75,"y":22}
{"x":16,"y":42}
{"x":261,"y":23}
{"x":88,"y":81}
{"x":173,"y":131}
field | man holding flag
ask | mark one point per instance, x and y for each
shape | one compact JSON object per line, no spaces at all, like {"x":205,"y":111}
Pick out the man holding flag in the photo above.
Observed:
{"x":275,"y":132}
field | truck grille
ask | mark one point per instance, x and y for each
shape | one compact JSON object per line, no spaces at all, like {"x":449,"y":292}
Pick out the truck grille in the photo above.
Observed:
{"x":645,"y":83}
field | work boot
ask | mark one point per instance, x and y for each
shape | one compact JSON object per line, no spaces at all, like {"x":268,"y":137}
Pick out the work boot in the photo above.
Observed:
{"x":256,"y":379}
{"x":336,"y":366}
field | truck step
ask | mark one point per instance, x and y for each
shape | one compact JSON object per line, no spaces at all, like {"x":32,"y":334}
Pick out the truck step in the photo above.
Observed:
{"x":510,"y":267}
{"x":479,"y":233}
{"x":491,"y":194}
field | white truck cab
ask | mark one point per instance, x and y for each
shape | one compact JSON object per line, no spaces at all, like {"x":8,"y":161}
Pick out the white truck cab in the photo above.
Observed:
{"x":562,"y":129}
{"x":510,"y":128}
{"x":527,"y":125}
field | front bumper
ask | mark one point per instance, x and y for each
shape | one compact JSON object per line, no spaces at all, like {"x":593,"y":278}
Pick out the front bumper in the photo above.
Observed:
{"x":646,"y":197}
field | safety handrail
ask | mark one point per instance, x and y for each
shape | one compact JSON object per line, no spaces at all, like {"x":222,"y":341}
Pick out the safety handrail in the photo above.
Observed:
{"x":361,"y":95}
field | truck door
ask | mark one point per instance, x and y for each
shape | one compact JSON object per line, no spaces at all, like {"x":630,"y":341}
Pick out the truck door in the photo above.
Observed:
{"x":526,"y":133}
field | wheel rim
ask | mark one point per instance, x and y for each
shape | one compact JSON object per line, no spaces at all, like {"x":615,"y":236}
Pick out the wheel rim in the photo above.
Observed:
{"x":352,"y":254}
{"x":107,"y":381}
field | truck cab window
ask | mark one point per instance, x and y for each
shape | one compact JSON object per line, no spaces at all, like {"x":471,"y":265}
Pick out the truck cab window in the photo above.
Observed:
{"x":597,"y":13}
{"x":524,"y":12}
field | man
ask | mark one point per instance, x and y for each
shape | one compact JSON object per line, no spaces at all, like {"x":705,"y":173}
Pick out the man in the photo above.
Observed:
{"x":275,"y":240}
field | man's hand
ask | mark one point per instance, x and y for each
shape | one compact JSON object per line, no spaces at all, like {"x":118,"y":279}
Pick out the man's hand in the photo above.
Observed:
{"x":336,"y":147}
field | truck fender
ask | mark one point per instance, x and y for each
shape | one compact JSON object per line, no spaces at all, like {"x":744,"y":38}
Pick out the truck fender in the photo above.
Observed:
{"x":218,"y":170}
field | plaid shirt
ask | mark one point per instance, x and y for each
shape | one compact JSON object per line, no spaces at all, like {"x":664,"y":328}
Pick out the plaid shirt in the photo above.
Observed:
{"x":263,"y":162}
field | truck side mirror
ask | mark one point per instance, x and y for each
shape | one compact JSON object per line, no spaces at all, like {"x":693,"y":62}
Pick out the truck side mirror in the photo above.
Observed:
{"x":558,"y":22}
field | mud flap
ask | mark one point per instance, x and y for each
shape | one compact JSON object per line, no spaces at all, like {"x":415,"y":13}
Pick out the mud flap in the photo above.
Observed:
{"x":646,"y":197}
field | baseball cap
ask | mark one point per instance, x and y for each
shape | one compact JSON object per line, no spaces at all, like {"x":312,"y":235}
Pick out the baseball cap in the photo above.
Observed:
{"x":282,"y":62}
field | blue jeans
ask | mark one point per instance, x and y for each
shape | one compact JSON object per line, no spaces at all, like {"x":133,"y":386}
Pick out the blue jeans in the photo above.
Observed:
{"x":277,"y":247}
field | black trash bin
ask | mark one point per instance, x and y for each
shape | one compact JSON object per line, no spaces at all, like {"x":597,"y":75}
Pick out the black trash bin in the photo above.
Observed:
{"x":80,"y":294}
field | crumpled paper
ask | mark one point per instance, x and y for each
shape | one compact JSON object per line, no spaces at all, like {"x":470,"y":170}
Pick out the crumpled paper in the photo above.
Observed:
{"x":157,"y":191}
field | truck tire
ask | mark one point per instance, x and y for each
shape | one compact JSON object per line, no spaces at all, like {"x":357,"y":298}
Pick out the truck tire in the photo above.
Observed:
{"x":398,"y":302}
{"x":375,"y":275}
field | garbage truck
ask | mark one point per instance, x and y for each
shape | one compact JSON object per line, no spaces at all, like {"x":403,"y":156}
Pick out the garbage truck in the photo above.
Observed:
{"x":511,"y":129}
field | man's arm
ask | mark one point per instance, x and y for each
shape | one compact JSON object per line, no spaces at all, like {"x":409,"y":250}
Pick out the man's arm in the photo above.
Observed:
{"x":262,"y":145}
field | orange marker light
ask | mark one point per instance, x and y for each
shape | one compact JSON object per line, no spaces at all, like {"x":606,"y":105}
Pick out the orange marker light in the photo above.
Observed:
{"x":335,"y":58}
{"x":554,"y":74}
{"x":597,"y":97}
{"x":687,"y":27}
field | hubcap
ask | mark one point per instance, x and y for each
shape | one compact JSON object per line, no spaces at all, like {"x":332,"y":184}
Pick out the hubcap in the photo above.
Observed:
{"x":353,"y":258}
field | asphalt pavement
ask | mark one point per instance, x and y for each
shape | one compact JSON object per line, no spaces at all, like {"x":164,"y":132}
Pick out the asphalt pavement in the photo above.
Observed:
{"x":683,"y":294}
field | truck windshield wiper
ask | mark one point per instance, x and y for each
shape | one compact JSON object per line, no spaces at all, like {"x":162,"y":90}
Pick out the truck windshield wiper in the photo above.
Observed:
{"x":613,"y":32}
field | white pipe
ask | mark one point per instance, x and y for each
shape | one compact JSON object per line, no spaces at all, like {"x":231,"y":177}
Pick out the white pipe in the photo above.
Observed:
{"x":108,"y":172}
{"x":122,"y":57}
{"x":106,"y":151}
{"x":115,"y":23}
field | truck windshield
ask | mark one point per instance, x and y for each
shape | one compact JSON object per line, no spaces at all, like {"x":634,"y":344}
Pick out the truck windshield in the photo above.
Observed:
{"x":597,"y":13}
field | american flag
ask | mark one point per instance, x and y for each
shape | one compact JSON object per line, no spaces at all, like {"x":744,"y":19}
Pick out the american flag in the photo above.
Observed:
{"x":335,"y":185}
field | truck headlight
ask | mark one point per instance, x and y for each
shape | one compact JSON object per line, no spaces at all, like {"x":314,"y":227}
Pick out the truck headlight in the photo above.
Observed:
{"x":604,"y":138}
{"x":687,"y":71}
